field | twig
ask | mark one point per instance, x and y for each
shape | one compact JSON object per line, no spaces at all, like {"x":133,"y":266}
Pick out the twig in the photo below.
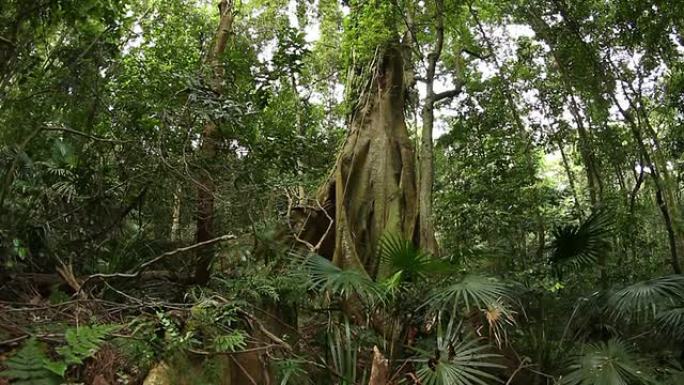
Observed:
{"x":7,"y":41}
{"x":523,"y":364}
{"x":244,"y":371}
{"x":330,"y":224}
{"x":266,"y":332}
{"x":12,"y":341}
{"x":158,"y":258}
{"x":83,"y":134}
{"x":49,"y":337}
{"x":311,"y":247}
{"x":207,"y":353}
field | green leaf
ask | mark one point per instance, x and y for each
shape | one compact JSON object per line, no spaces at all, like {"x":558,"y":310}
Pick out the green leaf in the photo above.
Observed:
{"x":605,"y":363}
{"x":28,"y":366}
{"x":57,"y":367}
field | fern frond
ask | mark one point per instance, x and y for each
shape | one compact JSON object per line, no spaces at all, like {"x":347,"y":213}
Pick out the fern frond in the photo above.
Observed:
{"x":83,"y":342}
{"x":28,"y":366}
{"x":237,"y":340}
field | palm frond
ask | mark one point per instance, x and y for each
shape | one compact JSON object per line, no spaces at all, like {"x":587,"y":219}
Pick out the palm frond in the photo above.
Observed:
{"x":642,"y":300}
{"x":671,"y":323}
{"x":470,"y":292}
{"x":325,"y":276}
{"x":581,"y":245}
{"x":499,"y":318}
{"x":459,"y":360}
{"x":343,"y":353}
{"x":605,"y":363}
{"x":403,"y":256}
{"x":487,"y":296}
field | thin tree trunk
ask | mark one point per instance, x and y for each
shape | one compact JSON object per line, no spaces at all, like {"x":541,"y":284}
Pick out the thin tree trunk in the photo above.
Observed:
{"x":210,"y":137}
{"x":571,"y":178}
{"x":176,"y":214}
{"x":588,"y":158}
{"x":426,"y":154}
{"x":663,"y":204}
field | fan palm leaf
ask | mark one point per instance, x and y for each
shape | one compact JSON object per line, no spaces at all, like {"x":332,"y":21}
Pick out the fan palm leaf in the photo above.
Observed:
{"x":327,"y":277}
{"x":458,"y":361}
{"x":470,"y":292}
{"x":487,"y":296}
{"x":671,"y":323}
{"x":402,"y":256}
{"x":581,"y":245}
{"x":605,"y":363}
{"x":643,"y":300}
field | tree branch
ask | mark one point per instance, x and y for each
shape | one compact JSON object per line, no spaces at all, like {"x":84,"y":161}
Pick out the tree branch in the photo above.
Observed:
{"x":158,"y":258}
{"x":7,"y":41}
{"x":449,"y":93}
{"x":83,"y":134}
{"x":476,"y":54}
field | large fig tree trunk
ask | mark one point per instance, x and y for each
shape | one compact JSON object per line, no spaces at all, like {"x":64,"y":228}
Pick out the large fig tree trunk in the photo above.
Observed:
{"x":372,"y":190}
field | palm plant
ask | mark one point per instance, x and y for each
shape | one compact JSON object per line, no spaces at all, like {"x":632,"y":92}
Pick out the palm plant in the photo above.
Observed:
{"x":488,"y":296}
{"x":469,"y":292}
{"x":343,"y":354}
{"x":671,"y":323}
{"x":580,"y":245}
{"x":324,"y":276}
{"x":404,"y":258}
{"x":458,"y":360}
{"x":643,"y":300}
{"x":605,"y":363}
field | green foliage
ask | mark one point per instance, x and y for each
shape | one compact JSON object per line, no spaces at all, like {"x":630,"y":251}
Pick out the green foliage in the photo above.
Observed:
{"x":236,"y":340}
{"x":605,"y":363}
{"x":30,"y":366}
{"x":581,"y":245}
{"x":345,"y":283}
{"x":343,"y":348}
{"x":371,"y":26}
{"x":671,"y":323}
{"x":643,"y":300}
{"x":457,"y":360}
{"x":403,"y":257}
{"x":292,"y":371}
{"x":566,"y":106}
{"x":83,"y":342}
{"x":469,"y":292}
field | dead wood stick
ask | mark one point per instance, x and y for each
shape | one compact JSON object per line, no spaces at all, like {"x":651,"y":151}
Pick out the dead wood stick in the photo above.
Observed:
{"x":158,"y":258}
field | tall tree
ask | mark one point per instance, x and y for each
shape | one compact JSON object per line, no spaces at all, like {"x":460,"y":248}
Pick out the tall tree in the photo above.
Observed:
{"x":210,"y":136}
{"x":372,"y":191}
{"x":427,"y":239}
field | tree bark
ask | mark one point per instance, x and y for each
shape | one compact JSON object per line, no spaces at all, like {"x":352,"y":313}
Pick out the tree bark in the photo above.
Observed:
{"x":372,"y":190}
{"x":208,"y":149}
{"x":427,"y":239}
{"x":587,"y":153}
{"x":571,"y":178}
